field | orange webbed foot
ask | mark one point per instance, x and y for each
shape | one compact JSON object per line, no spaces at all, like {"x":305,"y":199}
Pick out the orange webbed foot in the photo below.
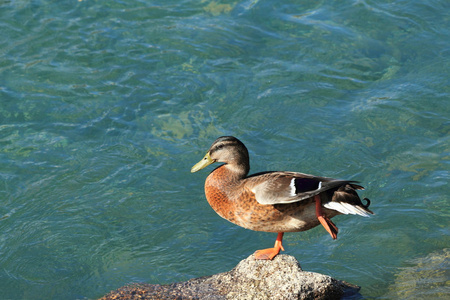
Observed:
{"x":270,"y":253}
{"x":325,"y":221}
{"x":329,"y":226}
{"x":267,"y":254}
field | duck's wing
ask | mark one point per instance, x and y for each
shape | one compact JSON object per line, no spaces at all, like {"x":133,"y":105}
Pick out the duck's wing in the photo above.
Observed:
{"x":288,"y":187}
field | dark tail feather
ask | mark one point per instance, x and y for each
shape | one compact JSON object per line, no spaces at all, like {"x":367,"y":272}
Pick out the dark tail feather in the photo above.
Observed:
{"x":347,"y":194}
{"x":355,"y":186}
{"x":366,"y":206}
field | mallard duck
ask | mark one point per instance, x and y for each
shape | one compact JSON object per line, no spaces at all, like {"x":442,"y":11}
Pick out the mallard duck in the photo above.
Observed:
{"x":274,"y":201}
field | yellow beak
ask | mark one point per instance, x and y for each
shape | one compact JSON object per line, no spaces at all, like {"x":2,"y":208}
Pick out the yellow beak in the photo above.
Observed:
{"x":206,"y":161}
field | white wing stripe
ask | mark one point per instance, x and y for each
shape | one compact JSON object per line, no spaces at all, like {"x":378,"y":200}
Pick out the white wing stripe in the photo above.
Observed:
{"x":292,"y":186}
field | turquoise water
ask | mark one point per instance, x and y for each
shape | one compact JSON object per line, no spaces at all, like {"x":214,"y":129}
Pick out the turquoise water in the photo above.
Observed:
{"x":106,"y":105}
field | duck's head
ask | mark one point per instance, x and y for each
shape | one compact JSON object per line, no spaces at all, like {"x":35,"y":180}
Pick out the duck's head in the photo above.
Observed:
{"x":228,"y":150}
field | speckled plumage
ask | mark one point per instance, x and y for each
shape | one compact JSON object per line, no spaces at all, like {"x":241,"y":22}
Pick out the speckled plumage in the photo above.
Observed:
{"x":274,"y":201}
{"x":233,"y":200}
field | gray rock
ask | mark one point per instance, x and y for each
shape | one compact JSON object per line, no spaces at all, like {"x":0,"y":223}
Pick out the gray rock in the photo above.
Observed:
{"x":281,"y":278}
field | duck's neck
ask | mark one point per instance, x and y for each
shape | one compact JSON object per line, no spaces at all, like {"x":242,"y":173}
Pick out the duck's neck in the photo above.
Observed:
{"x":226,"y":175}
{"x":218,"y":187}
{"x":223,"y":179}
{"x":236,"y":171}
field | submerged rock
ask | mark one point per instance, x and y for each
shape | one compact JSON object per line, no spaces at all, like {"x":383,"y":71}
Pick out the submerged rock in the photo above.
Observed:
{"x":281,"y":278}
{"x":427,"y":278}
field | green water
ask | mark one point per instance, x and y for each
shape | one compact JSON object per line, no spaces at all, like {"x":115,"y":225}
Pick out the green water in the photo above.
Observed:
{"x":106,"y":105}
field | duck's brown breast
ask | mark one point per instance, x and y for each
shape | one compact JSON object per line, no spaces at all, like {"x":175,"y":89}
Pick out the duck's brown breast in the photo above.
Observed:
{"x":235,"y":202}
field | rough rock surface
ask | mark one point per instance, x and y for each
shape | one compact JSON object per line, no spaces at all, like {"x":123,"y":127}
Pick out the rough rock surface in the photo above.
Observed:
{"x":281,"y":278}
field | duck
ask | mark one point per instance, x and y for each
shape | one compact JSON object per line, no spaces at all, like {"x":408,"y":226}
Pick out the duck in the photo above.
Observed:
{"x":274,"y":201}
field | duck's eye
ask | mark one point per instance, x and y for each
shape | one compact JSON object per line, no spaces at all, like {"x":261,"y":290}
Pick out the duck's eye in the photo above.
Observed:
{"x":219,"y":147}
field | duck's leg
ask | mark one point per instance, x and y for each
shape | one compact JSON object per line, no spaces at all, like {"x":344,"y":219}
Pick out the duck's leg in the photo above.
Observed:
{"x":270,"y":253}
{"x":325,"y":221}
